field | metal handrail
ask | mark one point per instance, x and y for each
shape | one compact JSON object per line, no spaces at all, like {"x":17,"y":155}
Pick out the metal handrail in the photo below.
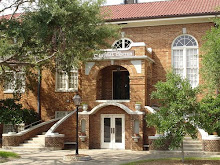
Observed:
{"x":37,"y":122}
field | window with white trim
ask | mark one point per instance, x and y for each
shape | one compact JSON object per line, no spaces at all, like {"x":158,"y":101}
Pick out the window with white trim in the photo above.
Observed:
{"x":185,"y":59}
{"x":123,"y":43}
{"x":14,"y":82}
{"x":66,"y":82}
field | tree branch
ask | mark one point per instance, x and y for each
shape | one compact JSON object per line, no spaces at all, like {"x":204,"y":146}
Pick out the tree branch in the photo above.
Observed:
{"x":16,"y":9}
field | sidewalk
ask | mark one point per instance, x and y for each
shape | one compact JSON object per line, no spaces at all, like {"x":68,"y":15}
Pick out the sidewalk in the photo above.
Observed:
{"x":99,"y":156}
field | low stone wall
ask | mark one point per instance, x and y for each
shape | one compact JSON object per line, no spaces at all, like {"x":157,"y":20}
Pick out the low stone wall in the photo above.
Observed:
{"x":14,"y":139}
{"x":211,"y":144}
{"x":55,"y":142}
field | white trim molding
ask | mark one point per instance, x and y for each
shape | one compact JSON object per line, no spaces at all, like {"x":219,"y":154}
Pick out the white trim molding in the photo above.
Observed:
{"x":137,"y":65}
{"x":150,"y":109}
{"x":88,"y":67}
{"x":165,"y":21}
{"x":134,"y":44}
{"x":123,"y":107}
{"x":143,"y":57}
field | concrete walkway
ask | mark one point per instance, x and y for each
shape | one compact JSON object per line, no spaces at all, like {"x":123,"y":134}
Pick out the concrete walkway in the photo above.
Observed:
{"x":99,"y":156}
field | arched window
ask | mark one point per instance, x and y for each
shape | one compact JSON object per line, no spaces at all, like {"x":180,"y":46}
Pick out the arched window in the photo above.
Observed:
{"x":185,"y":59}
{"x":123,"y":43}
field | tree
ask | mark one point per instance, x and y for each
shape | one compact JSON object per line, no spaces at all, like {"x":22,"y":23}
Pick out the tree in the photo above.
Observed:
{"x":211,"y":57}
{"x":177,"y":115}
{"x":13,"y":113}
{"x":209,"y":115}
{"x":68,"y":30}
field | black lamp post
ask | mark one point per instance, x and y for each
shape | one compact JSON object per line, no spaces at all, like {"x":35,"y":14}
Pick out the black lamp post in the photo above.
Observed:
{"x":77,"y":102}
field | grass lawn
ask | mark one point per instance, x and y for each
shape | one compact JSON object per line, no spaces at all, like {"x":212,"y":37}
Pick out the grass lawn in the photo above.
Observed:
{"x":178,"y":161}
{"x":5,"y":156}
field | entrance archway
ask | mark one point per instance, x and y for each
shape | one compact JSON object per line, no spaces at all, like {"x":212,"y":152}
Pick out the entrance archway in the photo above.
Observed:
{"x":113,"y":83}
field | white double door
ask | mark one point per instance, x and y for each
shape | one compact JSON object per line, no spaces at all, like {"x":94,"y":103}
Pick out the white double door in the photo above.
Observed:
{"x":113,"y":131}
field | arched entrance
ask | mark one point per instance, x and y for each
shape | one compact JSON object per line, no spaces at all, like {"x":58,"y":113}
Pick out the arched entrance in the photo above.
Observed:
{"x":113,"y":83}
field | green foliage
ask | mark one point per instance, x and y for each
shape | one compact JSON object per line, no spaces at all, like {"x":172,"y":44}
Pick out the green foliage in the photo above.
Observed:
{"x":211,"y":58}
{"x":4,"y":154}
{"x":70,"y":30}
{"x":12,"y":113}
{"x":178,"y":113}
{"x":210,"y":114}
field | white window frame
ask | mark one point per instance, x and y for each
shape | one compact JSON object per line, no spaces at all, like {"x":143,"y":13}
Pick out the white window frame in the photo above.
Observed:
{"x":185,"y":48}
{"x":13,"y":90}
{"x":123,"y":44}
{"x":67,"y":88}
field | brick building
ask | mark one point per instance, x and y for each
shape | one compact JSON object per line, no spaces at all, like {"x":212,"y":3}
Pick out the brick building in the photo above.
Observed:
{"x":117,"y":84}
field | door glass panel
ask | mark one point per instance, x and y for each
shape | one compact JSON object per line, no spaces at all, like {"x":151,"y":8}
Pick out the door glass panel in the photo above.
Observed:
{"x":118,"y":130}
{"x":107,"y":126}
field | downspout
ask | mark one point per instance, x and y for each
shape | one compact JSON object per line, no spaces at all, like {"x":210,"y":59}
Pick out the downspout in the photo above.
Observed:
{"x":38,"y":93}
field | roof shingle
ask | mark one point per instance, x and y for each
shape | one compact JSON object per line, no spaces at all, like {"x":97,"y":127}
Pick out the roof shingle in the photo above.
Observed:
{"x":161,"y":9}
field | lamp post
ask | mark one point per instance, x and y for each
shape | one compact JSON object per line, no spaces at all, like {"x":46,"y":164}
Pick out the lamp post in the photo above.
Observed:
{"x":77,"y":102}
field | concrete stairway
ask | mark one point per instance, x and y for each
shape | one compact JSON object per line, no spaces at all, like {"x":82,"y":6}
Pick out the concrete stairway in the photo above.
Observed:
{"x":192,"y":147}
{"x":190,"y":144}
{"x":35,"y":143}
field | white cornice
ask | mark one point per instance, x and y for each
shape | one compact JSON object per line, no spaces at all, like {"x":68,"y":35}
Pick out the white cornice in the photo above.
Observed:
{"x":165,"y":21}
{"x":144,"y":57}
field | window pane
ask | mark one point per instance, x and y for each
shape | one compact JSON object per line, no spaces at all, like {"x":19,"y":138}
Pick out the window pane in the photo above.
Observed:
{"x":192,"y":66}
{"x":73,"y":80}
{"x":178,"y":62}
{"x":122,"y":43}
{"x":107,"y":135}
{"x":118,"y":130}
{"x":127,"y":43}
{"x":61,"y":80}
{"x":9,"y":82}
{"x":185,"y":40}
{"x":20,"y":81}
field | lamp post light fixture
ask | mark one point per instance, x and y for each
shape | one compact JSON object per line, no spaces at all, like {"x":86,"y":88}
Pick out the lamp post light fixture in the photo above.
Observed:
{"x":77,"y":102}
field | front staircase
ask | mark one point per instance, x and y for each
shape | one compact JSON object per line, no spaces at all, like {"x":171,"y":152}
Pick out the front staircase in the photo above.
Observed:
{"x":193,"y":145}
{"x":36,"y":143}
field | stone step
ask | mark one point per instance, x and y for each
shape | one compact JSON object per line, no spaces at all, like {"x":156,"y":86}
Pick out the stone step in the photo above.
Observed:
{"x":190,"y":139}
{"x":192,"y":145}
{"x":34,"y":142}
{"x":32,"y":145}
{"x":192,"y":142}
{"x":30,"y":148}
{"x":193,"y":149}
{"x":190,"y":149}
{"x":38,"y":139}
{"x":41,"y":136}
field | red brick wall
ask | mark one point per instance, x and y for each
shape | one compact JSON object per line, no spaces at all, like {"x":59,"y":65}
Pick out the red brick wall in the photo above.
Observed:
{"x":68,"y":128}
{"x":211,"y":145}
{"x":160,"y":39}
